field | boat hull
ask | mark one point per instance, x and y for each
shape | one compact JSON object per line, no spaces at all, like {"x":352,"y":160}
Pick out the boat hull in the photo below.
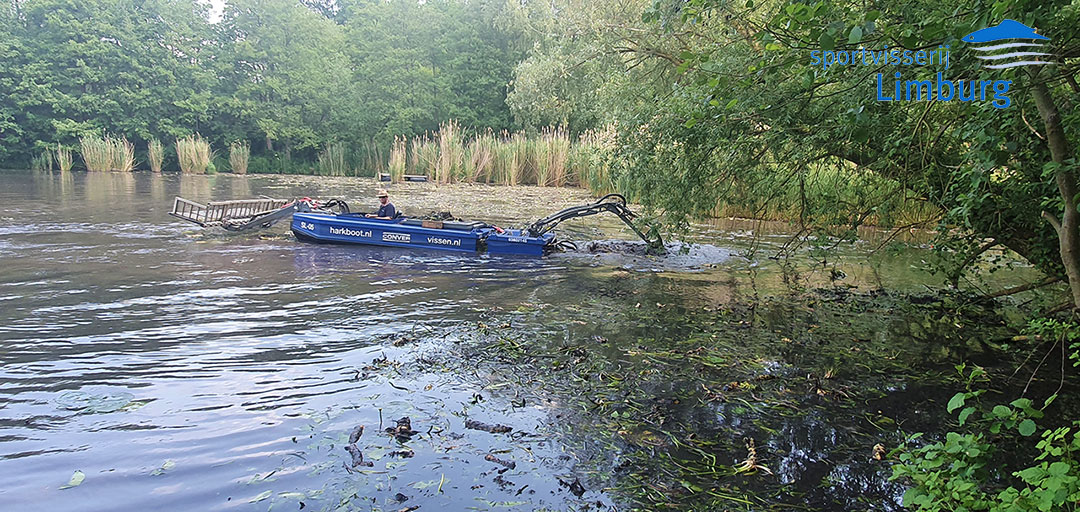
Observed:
{"x":356,"y":229}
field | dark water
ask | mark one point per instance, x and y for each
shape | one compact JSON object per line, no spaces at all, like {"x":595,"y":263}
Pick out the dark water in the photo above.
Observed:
{"x":177,"y":368}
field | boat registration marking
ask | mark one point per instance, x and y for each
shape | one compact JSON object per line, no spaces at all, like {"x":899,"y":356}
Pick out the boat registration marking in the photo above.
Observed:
{"x":397,"y":237}
{"x":360,"y":233}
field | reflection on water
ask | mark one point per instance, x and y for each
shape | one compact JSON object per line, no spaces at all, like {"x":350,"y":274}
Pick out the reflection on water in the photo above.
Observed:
{"x":188,"y":369}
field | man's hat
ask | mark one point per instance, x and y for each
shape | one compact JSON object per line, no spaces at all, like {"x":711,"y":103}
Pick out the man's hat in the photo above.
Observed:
{"x":382,"y":193}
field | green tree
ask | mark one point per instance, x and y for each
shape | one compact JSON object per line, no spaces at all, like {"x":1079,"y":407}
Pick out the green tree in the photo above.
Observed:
{"x":129,"y":68}
{"x":745,"y":117}
{"x":289,"y":69}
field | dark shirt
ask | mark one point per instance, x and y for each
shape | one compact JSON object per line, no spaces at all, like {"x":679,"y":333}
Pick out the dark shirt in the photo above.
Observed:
{"x":387,"y":210}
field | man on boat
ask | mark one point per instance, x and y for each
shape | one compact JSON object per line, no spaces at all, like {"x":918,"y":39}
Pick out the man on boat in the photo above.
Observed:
{"x":386,"y":208}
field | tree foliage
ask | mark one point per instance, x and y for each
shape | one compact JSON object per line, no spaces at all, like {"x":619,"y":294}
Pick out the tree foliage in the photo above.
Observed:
{"x":292,"y":77}
{"x":745,"y":116}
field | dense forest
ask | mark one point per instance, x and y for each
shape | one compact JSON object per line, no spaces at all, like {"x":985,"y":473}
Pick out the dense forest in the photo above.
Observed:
{"x":290,"y":78}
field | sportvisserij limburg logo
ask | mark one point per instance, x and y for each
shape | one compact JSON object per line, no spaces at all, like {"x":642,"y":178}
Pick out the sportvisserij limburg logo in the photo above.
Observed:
{"x":1008,"y":30}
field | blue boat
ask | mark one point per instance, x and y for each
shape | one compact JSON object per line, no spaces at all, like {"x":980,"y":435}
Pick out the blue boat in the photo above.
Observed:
{"x":355,"y":228}
{"x":332,"y":222}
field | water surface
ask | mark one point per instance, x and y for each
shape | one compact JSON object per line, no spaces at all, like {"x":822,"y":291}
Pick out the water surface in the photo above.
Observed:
{"x":178,"y":368}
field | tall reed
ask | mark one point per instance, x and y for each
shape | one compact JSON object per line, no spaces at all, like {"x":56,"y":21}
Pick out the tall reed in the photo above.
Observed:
{"x":332,"y":160}
{"x":451,"y":153}
{"x":371,"y":159}
{"x":398,"y":159}
{"x":481,"y":157}
{"x":43,"y":162}
{"x":193,"y":153}
{"x":64,"y":159}
{"x":591,"y":159}
{"x":239,"y":155}
{"x":426,"y":156}
{"x":522,"y":168}
{"x":95,"y":154}
{"x":123,"y":155}
{"x":155,"y":153}
{"x":107,"y":154}
{"x":549,"y":158}
{"x":550,"y":153}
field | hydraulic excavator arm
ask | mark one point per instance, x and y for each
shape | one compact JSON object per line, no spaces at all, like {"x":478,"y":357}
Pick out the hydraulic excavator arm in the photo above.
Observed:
{"x":613,"y":203}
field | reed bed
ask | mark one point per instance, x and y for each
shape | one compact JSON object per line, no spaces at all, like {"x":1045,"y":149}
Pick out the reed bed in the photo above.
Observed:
{"x":449,"y":167}
{"x":425,"y":156}
{"x":239,"y":156}
{"x":549,"y":158}
{"x":43,"y":162}
{"x":332,"y":160}
{"x":155,"y":153}
{"x":398,"y":159}
{"x":194,"y":154}
{"x":64,"y":158}
{"x":107,"y":154}
{"x":372,"y":158}
{"x":481,"y":153}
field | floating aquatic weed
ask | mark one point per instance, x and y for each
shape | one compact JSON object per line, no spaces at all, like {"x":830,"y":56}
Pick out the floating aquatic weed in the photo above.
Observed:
{"x":169,"y":464}
{"x":751,"y":464}
{"x":83,"y":402}
{"x":76,"y":480}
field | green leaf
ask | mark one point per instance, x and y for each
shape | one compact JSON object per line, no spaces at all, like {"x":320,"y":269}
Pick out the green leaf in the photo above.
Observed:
{"x":1026,"y":428}
{"x":827,"y":42}
{"x":965,"y":413}
{"x":1059,"y":469}
{"x":76,"y":480}
{"x":1002,"y":412}
{"x":749,"y":4}
{"x":1031,"y":475}
{"x":956,"y":402}
{"x":1049,"y":400}
{"x":861,"y":134}
{"x":691,"y":122}
{"x":855,"y":35}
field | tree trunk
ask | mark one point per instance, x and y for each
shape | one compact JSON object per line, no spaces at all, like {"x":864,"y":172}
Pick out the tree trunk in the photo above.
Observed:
{"x":1068,"y":229}
{"x":269,"y":144}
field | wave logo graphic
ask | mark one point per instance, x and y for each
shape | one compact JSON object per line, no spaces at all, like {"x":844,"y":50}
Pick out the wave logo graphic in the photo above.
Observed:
{"x":1007,"y":30}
